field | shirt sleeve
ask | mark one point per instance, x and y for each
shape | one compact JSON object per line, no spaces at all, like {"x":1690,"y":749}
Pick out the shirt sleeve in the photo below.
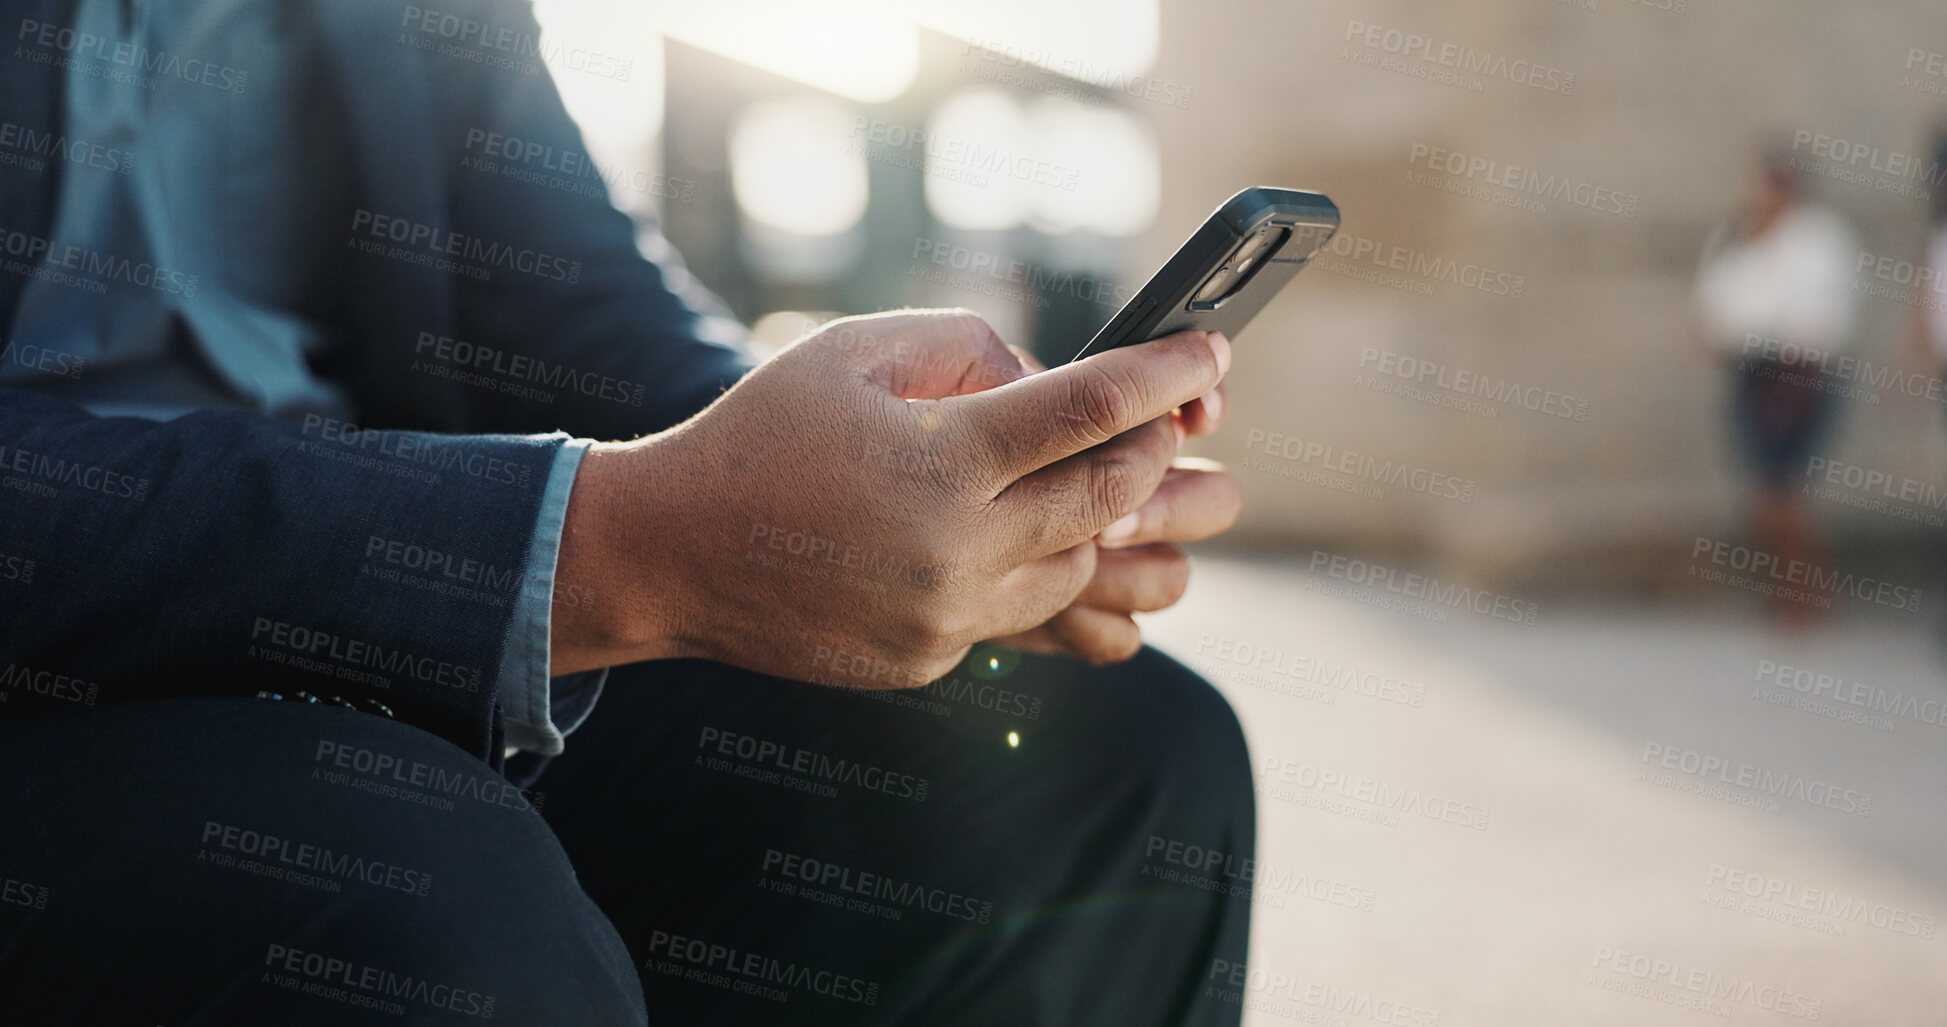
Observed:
{"x":540,"y":711}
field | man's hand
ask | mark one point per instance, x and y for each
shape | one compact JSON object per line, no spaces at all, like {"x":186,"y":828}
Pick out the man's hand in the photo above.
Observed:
{"x":884,"y":493}
{"x":1137,"y":569}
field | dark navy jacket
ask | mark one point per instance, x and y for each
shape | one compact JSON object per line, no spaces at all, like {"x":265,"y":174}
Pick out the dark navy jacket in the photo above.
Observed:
{"x":268,"y":184}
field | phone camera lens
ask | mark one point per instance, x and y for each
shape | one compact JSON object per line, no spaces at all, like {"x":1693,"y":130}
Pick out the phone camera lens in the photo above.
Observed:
{"x":1258,"y":245}
{"x":1214,"y":287}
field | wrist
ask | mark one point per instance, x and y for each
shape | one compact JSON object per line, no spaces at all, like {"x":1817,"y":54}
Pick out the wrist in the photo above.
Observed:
{"x":625,"y":582}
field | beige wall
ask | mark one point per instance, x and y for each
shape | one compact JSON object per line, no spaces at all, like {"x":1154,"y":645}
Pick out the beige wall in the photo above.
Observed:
{"x":1665,"y":106}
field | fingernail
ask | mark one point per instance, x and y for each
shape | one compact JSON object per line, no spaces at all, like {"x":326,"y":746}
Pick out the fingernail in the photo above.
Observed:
{"x":1221,"y":347}
{"x":1213,"y":406}
{"x":1120,"y":530}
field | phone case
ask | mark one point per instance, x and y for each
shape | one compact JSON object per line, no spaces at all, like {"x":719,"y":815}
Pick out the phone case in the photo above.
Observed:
{"x":1163,"y":305}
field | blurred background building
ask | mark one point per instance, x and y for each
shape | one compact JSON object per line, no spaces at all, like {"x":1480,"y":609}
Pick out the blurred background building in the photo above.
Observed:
{"x":1036,"y":160}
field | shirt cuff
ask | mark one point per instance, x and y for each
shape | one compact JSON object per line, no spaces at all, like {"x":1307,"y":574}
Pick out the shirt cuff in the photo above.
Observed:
{"x":525,"y":693}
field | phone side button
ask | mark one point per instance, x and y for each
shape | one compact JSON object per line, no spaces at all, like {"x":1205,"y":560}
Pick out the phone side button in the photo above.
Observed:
{"x":1117,"y":334}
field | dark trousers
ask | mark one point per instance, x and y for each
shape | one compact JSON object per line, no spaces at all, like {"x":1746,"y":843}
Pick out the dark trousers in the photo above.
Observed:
{"x":1026,"y":843}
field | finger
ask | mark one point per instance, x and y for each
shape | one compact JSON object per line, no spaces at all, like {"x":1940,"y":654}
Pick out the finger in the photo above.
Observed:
{"x":1035,"y":591}
{"x":1075,"y":498}
{"x":1197,"y":499}
{"x":1030,"y":423}
{"x":1027,"y":358}
{"x":1203,"y":415}
{"x":1039,"y":639}
{"x":926,"y":354}
{"x":1098,"y":636}
{"x":1137,"y":580}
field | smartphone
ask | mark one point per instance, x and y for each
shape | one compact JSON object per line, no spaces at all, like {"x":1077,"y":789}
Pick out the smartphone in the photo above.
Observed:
{"x":1217,"y":281}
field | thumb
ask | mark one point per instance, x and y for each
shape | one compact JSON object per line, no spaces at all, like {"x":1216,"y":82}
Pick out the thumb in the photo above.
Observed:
{"x":934,"y":354}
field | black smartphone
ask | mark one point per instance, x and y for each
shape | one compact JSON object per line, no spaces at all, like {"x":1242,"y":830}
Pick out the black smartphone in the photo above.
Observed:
{"x":1228,"y":270}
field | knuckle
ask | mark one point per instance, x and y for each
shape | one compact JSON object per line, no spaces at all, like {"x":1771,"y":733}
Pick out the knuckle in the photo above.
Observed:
{"x":1099,"y":404}
{"x":969,"y":330}
{"x":964,"y":320}
{"x":1115,"y":485}
{"x":938,"y":628}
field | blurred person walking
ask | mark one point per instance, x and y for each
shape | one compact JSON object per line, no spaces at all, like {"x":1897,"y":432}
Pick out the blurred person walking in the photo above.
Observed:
{"x":1774,"y":301}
